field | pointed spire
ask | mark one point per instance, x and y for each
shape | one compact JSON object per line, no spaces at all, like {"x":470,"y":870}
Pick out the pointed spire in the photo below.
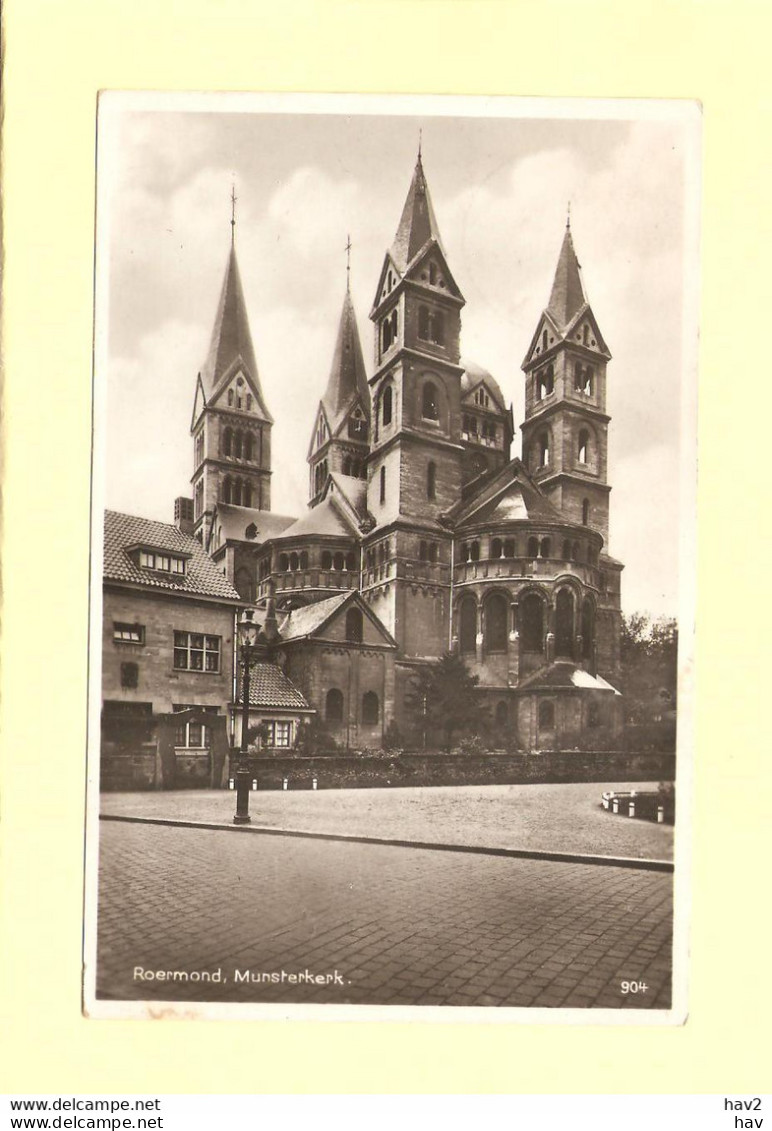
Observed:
{"x":231,"y":341}
{"x":347,"y":374}
{"x":568,"y":294}
{"x":418,"y":224}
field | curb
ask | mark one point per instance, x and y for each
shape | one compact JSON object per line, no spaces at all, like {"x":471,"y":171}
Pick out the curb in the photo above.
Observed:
{"x":475,"y":850}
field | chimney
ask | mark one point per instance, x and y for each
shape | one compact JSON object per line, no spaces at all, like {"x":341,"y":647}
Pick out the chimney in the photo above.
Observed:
{"x":183,"y":515}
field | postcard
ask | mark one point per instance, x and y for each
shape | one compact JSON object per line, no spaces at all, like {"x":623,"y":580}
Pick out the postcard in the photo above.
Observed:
{"x":392,"y":558}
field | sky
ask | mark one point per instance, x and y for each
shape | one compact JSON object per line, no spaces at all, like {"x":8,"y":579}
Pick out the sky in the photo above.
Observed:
{"x":304,"y":182}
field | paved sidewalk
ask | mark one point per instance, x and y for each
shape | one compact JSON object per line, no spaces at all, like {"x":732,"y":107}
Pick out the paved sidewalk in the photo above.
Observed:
{"x":387,"y":925}
{"x":565,"y":818}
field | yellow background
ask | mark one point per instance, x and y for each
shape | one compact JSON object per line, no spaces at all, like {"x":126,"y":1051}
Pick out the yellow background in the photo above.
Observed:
{"x":57,"y":56}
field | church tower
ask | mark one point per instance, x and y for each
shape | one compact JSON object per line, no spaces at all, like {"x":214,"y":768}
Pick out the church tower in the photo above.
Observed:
{"x":414,"y":469}
{"x":340,"y":438}
{"x":565,"y":432}
{"x":231,"y":425}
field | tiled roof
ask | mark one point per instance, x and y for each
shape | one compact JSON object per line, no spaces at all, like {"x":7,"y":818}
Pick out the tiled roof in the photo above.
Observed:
{"x":270,"y":687}
{"x":235,"y":520}
{"x":353,"y":490}
{"x":325,"y":518}
{"x":202,"y":577}
{"x":510,"y":496}
{"x":565,"y":674}
{"x":302,"y":622}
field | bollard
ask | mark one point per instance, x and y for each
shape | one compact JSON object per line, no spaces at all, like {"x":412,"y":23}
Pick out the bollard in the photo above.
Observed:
{"x":284,"y":783}
{"x":313,"y":782}
{"x":231,"y":783}
{"x":631,"y":808}
{"x":660,"y":814}
{"x":254,"y":783}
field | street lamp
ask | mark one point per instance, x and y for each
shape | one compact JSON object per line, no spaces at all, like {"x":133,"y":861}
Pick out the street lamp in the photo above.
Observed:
{"x":248,"y":630}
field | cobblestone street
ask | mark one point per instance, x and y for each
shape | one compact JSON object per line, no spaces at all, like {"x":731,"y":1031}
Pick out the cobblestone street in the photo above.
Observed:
{"x":389,"y":925}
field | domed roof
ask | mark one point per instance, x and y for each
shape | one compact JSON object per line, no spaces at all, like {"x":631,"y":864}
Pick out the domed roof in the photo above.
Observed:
{"x":474,"y":375}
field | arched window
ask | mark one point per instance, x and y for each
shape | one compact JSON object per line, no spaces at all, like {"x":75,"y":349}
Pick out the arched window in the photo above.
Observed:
{"x":431,"y":480}
{"x":430,"y":409}
{"x":509,"y":547}
{"x":227,"y":442}
{"x":545,"y":548}
{"x":544,"y":340}
{"x":422,"y":551}
{"x":370,"y":708}
{"x":383,"y":485}
{"x":544,"y":449}
{"x":545,"y":382}
{"x":502,"y":713}
{"x":249,"y":402}
{"x":588,"y":628}
{"x":237,"y":490}
{"x":247,"y":495}
{"x":354,"y":625}
{"x":230,"y":398}
{"x":533,"y":547}
{"x":575,"y":549}
{"x":583,"y":449}
{"x":237,"y":445}
{"x":294,"y":561}
{"x":496,"y":623}
{"x":283,"y":563}
{"x":338,"y":562}
{"x":531,"y":618}
{"x":351,"y":561}
{"x":386,"y":335}
{"x":326,"y":560}
{"x":585,"y":512}
{"x":547,"y":715}
{"x":333,"y":707}
{"x":564,"y":623}
{"x":226,"y":489}
{"x":248,"y":446}
{"x":437,"y":329}
{"x":467,"y":625}
{"x":433,"y":552}
{"x":387,"y":404}
{"x":432,"y":273}
{"x":474,"y":552}
{"x":423,"y":323}
{"x":304,"y":559}
{"x":567,"y":550}
{"x":592,"y":555}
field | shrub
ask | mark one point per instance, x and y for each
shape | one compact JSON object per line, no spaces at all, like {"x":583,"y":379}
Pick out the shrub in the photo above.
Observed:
{"x":472,"y":745}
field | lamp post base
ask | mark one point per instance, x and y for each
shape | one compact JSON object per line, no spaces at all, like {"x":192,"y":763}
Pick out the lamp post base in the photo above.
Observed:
{"x":242,"y":816}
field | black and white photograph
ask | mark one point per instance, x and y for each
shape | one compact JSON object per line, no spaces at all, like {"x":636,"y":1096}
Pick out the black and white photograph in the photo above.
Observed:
{"x":392,"y":571}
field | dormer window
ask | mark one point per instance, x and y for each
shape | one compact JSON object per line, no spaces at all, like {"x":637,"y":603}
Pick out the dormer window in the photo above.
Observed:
{"x":161,"y":562}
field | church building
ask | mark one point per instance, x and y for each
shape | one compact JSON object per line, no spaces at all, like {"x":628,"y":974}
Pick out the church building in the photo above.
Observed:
{"x":423,"y":535}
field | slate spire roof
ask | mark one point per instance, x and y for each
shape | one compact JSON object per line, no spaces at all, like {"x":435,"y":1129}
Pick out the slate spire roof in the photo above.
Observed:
{"x":568,"y":295}
{"x":231,"y":342}
{"x":418,"y":224}
{"x":347,"y":374}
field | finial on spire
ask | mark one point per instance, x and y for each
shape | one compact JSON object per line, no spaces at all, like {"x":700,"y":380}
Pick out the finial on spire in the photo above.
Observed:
{"x":568,"y":217}
{"x":420,"y":141}
{"x":234,"y":198}
{"x":348,"y":263}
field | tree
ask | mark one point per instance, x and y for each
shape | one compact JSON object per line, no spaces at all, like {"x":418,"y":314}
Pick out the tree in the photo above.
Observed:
{"x":649,"y":662}
{"x":442,"y":699}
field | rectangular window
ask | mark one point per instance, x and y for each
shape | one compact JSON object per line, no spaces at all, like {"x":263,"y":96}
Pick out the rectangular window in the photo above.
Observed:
{"x":148,"y":559}
{"x":195,"y":652}
{"x":278,"y":733}
{"x":128,"y":633}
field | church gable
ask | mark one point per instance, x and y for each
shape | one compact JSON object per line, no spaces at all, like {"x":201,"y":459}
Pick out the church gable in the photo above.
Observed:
{"x":585,"y":332}
{"x":547,"y":335}
{"x":320,"y":434}
{"x":389,"y":278}
{"x":431,"y":270}
{"x":237,"y":391}
{"x":354,"y":623}
{"x":199,"y":403}
{"x":352,"y":424}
